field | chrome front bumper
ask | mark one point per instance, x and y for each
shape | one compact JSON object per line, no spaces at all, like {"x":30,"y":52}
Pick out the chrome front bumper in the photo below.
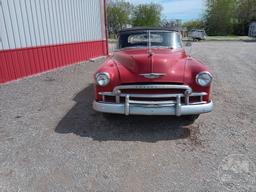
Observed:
{"x":159,"y":109}
{"x":173,"y":106}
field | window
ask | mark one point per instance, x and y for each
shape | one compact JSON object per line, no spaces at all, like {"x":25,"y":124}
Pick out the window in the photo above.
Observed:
{"x":153,"y":38}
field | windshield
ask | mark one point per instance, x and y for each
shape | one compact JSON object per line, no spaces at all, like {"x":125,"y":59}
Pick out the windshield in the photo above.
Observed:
{"x":136,"y":39}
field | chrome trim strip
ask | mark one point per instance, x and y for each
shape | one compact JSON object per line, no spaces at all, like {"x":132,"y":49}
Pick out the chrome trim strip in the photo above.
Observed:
{"x":153,"y":95}
{"x":135,"y":109}
{"x":118,"y":90}
{"x":153,"y":75}
{"x":127,"y":106}
{"x":153,"y":86}
{"x":151,"y":102}
{"x":187,"y":100}
{"x":197,"y":103}
{"x":117,"y":98}
{"x":178,"y":106}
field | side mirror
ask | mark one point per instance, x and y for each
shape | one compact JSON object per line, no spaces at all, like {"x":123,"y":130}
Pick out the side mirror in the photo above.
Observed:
{"x":188,"y":44}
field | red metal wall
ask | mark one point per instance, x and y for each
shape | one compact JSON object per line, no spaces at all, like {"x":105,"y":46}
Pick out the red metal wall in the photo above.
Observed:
{"x":37,"y":36}
{"x":18,"y":63}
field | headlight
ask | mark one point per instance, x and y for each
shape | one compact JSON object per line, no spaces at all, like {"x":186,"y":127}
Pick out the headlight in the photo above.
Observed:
{"x":102,"y":79}
{"x":204,"y":79}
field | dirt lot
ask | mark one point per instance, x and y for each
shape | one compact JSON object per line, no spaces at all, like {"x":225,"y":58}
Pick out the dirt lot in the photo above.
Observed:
{"x":52,"y":140}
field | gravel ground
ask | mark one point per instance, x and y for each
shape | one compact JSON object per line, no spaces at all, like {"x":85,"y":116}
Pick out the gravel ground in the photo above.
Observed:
{"x":52,"y":140}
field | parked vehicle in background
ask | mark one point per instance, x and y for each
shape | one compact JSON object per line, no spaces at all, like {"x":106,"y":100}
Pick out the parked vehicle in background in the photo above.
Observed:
{"x":197,"y":34}
{"x":252,"y":29}
{"x":151,"y":74}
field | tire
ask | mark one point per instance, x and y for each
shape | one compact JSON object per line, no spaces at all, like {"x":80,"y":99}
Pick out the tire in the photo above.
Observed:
{"x":111,"y":116}
{"x":190,"y":119}
{"x":107,"y":115}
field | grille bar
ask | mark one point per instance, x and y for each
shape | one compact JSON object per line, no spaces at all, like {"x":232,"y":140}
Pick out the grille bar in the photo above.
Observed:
{"x":187,"y":94}
{"x":152,"y":95}
{"x":121,"y":87}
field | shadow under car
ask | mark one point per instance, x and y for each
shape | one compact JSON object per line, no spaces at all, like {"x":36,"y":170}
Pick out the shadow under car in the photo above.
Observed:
{"x":82,"y":120}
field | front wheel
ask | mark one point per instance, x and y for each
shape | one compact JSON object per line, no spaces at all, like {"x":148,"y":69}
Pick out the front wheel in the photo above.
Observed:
{"x":190,"y":119}
{"x":111,"y":116}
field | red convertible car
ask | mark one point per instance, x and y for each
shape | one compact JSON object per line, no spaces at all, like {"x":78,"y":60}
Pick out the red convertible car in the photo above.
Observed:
{"x":151,"y":74}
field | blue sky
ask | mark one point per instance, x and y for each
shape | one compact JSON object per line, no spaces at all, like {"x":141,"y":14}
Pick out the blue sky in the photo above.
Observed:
{"x":178,"y":9}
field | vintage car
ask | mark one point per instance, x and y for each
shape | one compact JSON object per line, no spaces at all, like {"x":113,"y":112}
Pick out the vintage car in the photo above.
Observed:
{"x":150,"y":73}
{"x":197,"y":34}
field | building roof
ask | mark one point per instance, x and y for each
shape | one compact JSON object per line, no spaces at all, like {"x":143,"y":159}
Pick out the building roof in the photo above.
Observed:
{"x":146,"y":28}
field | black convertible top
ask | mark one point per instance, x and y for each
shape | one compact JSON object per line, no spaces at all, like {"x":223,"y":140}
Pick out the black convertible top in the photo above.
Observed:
{"x":145,"y":29}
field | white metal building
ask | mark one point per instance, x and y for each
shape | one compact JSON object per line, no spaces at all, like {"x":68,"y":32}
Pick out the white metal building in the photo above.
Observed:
{"x":39,"y":35}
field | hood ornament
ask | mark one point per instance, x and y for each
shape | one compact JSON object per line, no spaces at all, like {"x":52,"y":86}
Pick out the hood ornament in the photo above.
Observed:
{"x":153,"y":75}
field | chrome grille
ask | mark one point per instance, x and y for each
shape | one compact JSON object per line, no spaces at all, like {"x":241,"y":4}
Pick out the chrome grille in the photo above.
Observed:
{"x":183,"y":94}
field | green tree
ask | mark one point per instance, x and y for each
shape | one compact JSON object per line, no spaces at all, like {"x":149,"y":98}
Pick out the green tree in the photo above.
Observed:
{"x":220,"y":17}
{"x":118,"y":14}
{"x":147,"y":15}
{"x":246,"y":13}
{"x":194,"y":24}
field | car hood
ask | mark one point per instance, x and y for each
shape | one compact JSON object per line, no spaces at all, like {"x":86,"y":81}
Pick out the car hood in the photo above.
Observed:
{"x":166,"y":65}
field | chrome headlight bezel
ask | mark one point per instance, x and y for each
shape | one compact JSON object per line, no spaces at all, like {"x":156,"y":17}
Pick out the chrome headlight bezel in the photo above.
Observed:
{"x":102,"y":79}
{"x":200,"y":80}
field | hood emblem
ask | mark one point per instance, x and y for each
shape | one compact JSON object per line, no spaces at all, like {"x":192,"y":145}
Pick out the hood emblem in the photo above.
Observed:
{"x":153,"y":75}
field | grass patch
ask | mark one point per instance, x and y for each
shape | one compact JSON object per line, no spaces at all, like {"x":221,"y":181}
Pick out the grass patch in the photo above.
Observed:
{"x":229,"y":38}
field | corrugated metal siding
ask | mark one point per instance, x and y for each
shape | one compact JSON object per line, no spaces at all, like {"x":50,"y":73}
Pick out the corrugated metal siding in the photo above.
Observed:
{"x":38,"y":35}
{"x":28,"y":23}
